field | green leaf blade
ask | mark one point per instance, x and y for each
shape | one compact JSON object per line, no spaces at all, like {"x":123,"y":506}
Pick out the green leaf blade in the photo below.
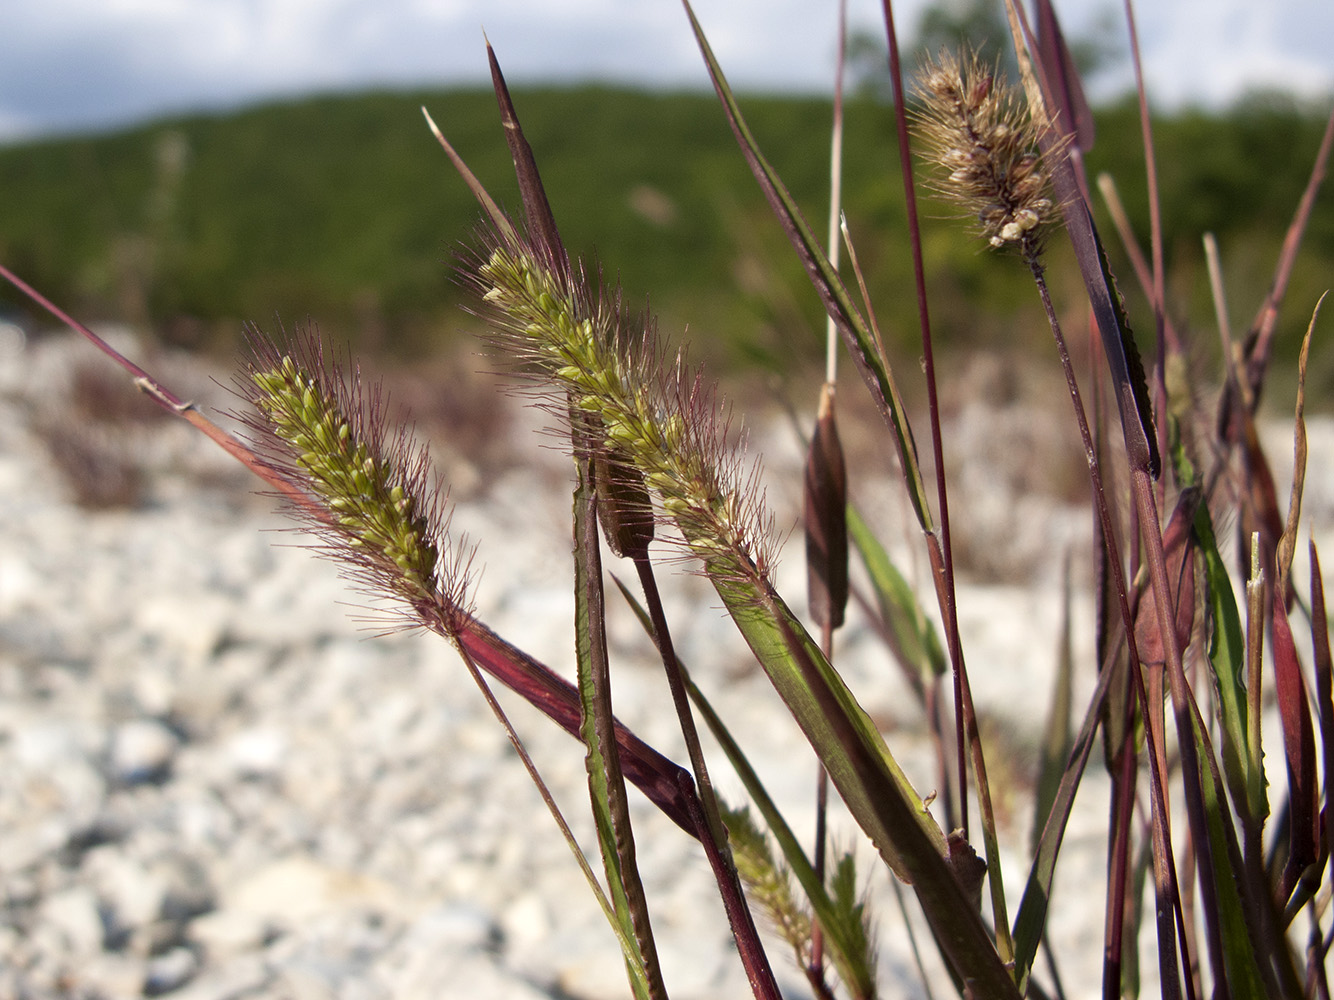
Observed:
{"x":913,"y":631}
{"x":876,"y":791}
{"x":606,"y":783}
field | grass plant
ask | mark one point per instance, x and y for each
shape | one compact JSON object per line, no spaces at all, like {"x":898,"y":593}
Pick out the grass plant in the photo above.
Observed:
{"x":1239,"y":867}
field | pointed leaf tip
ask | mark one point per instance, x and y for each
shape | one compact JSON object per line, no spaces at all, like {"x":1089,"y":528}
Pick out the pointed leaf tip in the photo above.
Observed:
{"x":537,"y":210}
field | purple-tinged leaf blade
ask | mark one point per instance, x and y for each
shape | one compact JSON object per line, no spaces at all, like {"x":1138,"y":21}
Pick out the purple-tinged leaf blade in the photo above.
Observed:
{"x":1059,"y":66}
{"x":537,"y":210}
{"x":1324,"y":694}
{"x":1298,"y":750}
{"x":1179,"y":549}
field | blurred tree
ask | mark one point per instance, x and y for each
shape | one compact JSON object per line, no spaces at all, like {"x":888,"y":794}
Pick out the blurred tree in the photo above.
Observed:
{"x":953,"y":24}
{"x":978,"y":25}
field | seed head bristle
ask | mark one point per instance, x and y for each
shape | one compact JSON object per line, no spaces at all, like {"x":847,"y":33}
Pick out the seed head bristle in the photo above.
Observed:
{"x":659,"y":422}
{"x":979,"y":134}
{"x":769,"y":883}
{"x":372,"y":495}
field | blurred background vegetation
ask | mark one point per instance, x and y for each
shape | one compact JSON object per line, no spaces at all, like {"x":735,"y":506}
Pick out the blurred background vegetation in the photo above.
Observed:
{"x":342,"y":209}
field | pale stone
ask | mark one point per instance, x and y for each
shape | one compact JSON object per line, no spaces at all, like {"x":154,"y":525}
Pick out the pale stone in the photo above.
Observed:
{"x":228,"y":932}
{"x":141,"y":750}
{"x":169,"y":971}
{"x":73,"y":912}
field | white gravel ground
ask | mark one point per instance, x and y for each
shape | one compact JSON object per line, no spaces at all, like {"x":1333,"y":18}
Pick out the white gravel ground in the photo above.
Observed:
{"x":214,"y":786}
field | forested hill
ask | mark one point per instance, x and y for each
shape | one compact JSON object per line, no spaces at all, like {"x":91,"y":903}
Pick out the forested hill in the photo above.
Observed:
{"x":343,"y":209}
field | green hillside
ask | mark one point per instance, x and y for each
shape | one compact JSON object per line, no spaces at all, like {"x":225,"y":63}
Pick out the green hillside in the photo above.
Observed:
{"x":343,"y":209}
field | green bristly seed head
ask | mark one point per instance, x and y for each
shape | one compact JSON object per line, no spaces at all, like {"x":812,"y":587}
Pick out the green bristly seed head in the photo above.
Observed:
{"x":643,"y":423}
{"x":769,"y":881}
{"x":378,"y":517}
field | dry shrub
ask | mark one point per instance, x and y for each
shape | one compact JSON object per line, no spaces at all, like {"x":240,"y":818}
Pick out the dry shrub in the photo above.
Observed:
{"x":87,"y":437}
{"x":96,"y":465}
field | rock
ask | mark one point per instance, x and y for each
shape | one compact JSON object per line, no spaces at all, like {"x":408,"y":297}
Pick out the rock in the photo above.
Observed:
{"x":169,"y":971}
{"x":257,"y":752}
{"x":527,"y":922}
{"x":131,"y":894}
{"x":454,"y":928}
{"x":189,"y":887}
{"x":55,"y":758}
{"x":246,"y":977}
{"x":296,"y":889}
{"x":192,"y":625}
{"x":229,"y":932}
{"x":73,"y":914}
{"x":420,"y":977}
{"x":20,"y":581}
{"x":204,"y":822}
{"x":24,"y":847}
{"x":141,"y":750}
{"x":112,"y":975}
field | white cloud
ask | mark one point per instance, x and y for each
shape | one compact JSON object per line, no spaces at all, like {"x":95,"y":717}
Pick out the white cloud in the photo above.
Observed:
{"x":88,"y":63}
{"x":1210,"y":51}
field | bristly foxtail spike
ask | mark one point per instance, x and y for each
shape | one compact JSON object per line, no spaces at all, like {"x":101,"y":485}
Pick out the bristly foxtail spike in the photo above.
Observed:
{"x":984,"y":144}
{"x":625,"y":510}
{"x":374,"y":501}
{"x":655,"y":420}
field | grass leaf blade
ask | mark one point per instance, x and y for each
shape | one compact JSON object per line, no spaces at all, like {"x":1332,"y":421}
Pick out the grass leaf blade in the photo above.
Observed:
{"x":1058,"y":738}
{"x":900,"y":610}
{"x":606,"y":783}
{"x":1299,"y":751}
{"x":1324,"y":695}
{"x":1031,"y":919}
{"x":1227,"y":656}
{"x":837,"y":301}
{"x":872,"y":785}
{"x":1227,"y":908}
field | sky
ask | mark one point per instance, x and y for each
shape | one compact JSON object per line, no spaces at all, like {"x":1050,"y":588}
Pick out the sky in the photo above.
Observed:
{"x":70,"y":65}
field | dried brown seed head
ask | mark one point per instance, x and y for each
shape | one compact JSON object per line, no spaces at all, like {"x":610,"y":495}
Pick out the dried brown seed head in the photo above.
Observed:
{"x":979,"y":134}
